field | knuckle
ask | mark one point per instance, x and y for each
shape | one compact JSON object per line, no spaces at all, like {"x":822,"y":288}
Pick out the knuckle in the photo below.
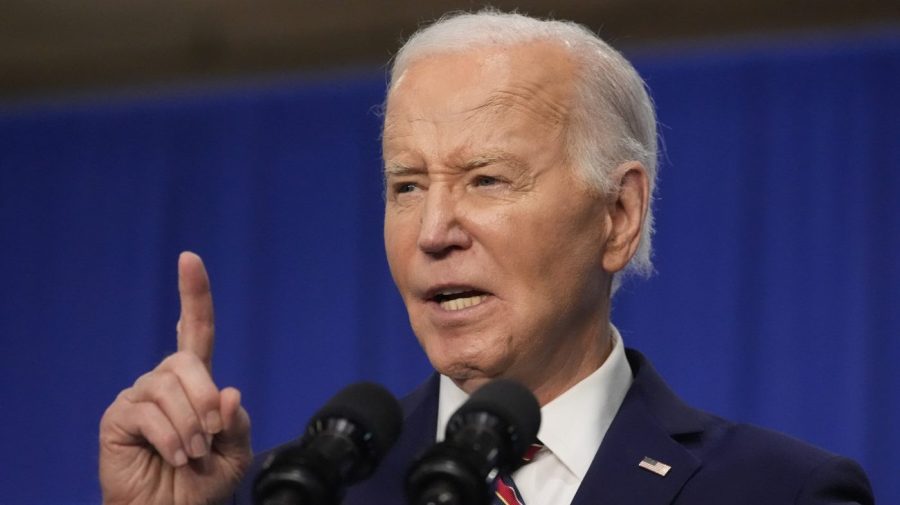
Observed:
{"x":167,"y":380}
{"x":142,"y":381}
{"x":107,"y":419}
{"x":190,"y":424}
{"x":183,"y":360}
{"x":126,"y":404}
{"x":208,"y":402}
{"x":168,"y":440}
{"x":176,"y":360}
{"x":125,"y":395}
{"x":205,"y":401}
{"x":162,"y":385}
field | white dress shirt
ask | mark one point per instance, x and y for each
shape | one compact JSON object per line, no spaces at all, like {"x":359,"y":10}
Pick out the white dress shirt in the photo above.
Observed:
{"x":572,"y":427}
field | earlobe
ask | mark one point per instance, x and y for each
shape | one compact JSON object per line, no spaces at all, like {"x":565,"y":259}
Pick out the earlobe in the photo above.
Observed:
{"x":627,"y":210}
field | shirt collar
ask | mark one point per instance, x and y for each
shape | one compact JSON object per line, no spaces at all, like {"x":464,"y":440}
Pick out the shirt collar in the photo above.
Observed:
{"x":574,"y":423}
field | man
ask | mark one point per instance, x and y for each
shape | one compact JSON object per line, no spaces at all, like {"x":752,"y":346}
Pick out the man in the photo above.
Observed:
{"x":520,"y":159}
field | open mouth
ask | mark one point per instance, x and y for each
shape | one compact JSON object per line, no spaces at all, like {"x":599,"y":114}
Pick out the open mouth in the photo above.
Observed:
{"x":459,"y":299}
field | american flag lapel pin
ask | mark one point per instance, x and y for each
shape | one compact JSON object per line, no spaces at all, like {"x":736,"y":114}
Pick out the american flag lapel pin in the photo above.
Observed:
{"x":651,"y":465}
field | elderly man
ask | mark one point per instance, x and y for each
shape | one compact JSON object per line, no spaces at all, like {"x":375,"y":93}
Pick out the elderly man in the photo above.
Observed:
{"x":520,"y":158}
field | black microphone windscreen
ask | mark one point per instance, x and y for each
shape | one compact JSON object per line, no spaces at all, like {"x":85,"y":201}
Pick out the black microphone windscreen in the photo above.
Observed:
{"x":369,"y":405}
{"x":343,"y":444}
{"x":511,"y":402}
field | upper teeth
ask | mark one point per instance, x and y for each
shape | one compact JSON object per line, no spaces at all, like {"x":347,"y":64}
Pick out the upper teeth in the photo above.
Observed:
{"x":448,"y":292}
{"x":462,"y":303}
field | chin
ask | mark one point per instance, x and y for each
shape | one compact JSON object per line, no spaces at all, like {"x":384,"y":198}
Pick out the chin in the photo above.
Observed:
{"x":477,"y":354}
{"x":467,"y":369}
{"x":460,"y":371}
{"x":467,"y":377}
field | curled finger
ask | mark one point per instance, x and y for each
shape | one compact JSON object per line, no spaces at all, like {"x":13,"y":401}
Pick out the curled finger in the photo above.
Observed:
{"x":164,"y":389}
{"x":199,"y":388}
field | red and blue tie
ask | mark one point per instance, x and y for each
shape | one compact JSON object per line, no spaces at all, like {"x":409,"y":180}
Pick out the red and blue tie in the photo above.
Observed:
{"x":506,"y":492}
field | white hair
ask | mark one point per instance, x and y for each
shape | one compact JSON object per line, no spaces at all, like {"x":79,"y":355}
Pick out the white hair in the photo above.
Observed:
{"x":613,"y":120}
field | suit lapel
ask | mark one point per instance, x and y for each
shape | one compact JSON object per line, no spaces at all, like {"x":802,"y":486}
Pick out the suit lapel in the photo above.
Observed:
{"x":647,"y":424}
{"x":419,"y":424}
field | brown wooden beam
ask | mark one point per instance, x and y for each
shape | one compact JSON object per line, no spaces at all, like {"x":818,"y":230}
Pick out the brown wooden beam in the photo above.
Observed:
{"x":59,"y":46}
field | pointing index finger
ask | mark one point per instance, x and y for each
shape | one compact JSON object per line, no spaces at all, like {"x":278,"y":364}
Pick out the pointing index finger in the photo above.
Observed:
{"x":196,"y":327}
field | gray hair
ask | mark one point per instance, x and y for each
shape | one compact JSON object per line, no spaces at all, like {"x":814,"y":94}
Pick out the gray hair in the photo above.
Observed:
{"x":613,"y":120}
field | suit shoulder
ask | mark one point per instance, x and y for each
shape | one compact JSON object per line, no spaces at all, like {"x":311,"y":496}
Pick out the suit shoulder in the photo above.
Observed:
{"x":756,"y":443}
{"x":774,"y":467}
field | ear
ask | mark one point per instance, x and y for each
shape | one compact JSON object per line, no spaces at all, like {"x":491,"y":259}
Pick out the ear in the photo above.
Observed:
{"x":627,"y":209}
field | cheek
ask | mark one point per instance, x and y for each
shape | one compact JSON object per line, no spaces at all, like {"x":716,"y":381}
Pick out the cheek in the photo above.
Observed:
{"x":399,"y":247}
{"x":536,"y":243}
{"x":558,"y":256}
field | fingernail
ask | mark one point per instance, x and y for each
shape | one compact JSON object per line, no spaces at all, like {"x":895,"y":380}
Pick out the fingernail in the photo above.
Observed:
{"x":180,"y":458}
{"x":213,"y":421}
{"x":198,"y":446}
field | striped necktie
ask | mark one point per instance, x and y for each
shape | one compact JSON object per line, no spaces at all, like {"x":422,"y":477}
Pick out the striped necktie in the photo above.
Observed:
{"x":506,"y":492}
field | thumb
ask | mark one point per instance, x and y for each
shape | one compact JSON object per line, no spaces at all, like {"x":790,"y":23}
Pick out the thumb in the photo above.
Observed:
{"x":233,"y":442}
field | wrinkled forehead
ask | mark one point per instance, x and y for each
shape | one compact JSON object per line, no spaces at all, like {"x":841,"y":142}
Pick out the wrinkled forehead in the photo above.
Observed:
{"x":536,"y":78}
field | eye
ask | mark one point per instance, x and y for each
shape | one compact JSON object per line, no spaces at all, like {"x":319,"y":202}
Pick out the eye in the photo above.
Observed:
{"x":404,"y":187}
{"x":486,"y":180}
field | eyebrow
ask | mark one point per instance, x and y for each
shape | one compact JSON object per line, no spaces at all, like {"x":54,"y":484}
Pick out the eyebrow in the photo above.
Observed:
{"x":399,"y":170}
{"x":481,"y":161}
{"x":396,"y":169}
{"x":491,"y":157}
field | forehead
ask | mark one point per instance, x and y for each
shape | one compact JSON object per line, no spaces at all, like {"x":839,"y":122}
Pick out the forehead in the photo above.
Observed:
{"x":485,"y":84}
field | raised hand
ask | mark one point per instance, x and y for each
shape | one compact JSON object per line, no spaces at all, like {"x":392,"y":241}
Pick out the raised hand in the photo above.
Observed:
{"x":174,"y":438}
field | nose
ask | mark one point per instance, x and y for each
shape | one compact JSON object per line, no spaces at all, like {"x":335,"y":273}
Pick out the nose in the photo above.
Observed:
{"x":441,"y":228}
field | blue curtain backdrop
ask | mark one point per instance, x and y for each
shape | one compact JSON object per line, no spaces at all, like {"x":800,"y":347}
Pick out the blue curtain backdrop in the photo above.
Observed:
{"x":775,"y":301}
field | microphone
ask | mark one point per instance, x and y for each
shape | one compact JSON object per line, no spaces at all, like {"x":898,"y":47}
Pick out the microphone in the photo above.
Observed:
{"x":344,"y":442}
{"x":488,"y":435}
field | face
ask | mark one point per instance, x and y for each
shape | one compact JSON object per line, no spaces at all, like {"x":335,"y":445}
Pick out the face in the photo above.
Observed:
{"x":495,"y":245}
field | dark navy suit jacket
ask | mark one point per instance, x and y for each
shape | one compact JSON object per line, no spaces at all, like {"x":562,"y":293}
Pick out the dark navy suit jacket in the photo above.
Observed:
{"x":713,"y":461}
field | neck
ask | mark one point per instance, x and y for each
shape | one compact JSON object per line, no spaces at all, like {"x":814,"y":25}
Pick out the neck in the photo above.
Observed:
{"x":567,"y":369}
